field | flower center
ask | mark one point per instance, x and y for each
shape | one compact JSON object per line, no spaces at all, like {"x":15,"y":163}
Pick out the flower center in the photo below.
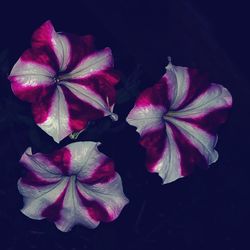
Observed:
{"x":58,"y":78}
{"x":165,"y":116}
{"x":168,"y":115}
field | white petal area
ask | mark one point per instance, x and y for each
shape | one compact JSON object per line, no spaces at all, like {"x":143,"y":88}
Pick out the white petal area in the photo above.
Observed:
{"x":88,"y":96}
{"x":73,"y":213}
{"x":46,"y":37}
{"x":215,"y":97}
{"x":34,"y":192}
{"x":92,"y":64}
{"x":57,"y":123}
{"x":85,"y":157}
{"x":38,"y":164}
{"x":30,"y":82}
{"x":169,"y":165}
{"x":31,"y":69}
{"x":145,"y":118}
{"x":33,"y":206}
{"x":62,"y":49}
{"x":178,"y":84}
{"x":109,"y":194}
{"x":200,"y":139}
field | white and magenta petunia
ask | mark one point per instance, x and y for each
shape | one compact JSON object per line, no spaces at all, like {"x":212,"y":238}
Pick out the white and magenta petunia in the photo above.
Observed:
{"x":178,"y":119}
{"x":67,"y":82}
{"x":74,"y":185}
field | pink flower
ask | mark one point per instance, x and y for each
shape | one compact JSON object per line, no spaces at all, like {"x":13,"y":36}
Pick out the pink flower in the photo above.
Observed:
{"x":178,"y":119}
{"x":67,"y":83}
{"x":75,"y":185}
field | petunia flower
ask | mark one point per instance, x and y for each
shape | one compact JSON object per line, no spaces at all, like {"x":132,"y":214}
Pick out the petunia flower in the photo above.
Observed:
{"x":178,"y":119}
{"x":74,"y":185}
{"x":65,"y":80}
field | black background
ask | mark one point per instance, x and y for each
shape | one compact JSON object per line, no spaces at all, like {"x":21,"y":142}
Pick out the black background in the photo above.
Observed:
{"x":208,"y":210}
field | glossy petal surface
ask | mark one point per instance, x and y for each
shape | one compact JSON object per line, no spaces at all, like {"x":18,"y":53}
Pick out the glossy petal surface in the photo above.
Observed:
{"x":75,"y":185}
{"x":178,"y":119}
{"x":67,"y":82}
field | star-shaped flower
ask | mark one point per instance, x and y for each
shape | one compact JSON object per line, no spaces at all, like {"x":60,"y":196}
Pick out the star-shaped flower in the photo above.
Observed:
{"x":178,"y":119}
{"x":67,"y":82}
{"x":74,"y":185}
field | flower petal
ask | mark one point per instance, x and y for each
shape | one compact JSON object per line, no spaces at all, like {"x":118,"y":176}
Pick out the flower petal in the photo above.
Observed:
{"x":74,"y":185}
{"x":181,"y":155}
{"x":149,"y":108}
{"x":62,"y":112}
{"x":72,"y":211}
{"x":31,"y":80}
{"x":177,"y":81}
{"x":56,"y":45}
{"x":92,"y":64}
{"x":79,"y":47}
{"x":45,"y":46}
{"x":82,"y":107}
{"x":162,"y":153}
{"x":51,"y":115}
{"x":109,"y":195}
{"x":39,"y":164}
{"x":45,"y":205}
{"x":154,"y":141}
{"x":200,"y":139}
{"x":170,"y":154}
{"x":84,"y":154}
{"x":100,"y":85}
{"x":69,"y":49}
{"x":38,"y":175}
{"x":208,"y":110}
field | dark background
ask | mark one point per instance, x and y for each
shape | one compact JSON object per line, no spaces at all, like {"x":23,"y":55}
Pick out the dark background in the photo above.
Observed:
{"x":209,"y":210}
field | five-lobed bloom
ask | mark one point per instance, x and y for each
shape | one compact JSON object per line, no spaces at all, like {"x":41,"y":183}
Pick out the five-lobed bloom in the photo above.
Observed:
{"x":178,"y":119}
{"x":68,"y":85}
{"x":74,"y":185}
{"x":67,"y":82}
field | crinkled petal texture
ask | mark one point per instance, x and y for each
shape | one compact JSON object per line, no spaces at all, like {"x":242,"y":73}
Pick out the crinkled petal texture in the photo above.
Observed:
{"x":67,"y":82}
{"x":75,"y":185}
{"x":178,"y":119}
